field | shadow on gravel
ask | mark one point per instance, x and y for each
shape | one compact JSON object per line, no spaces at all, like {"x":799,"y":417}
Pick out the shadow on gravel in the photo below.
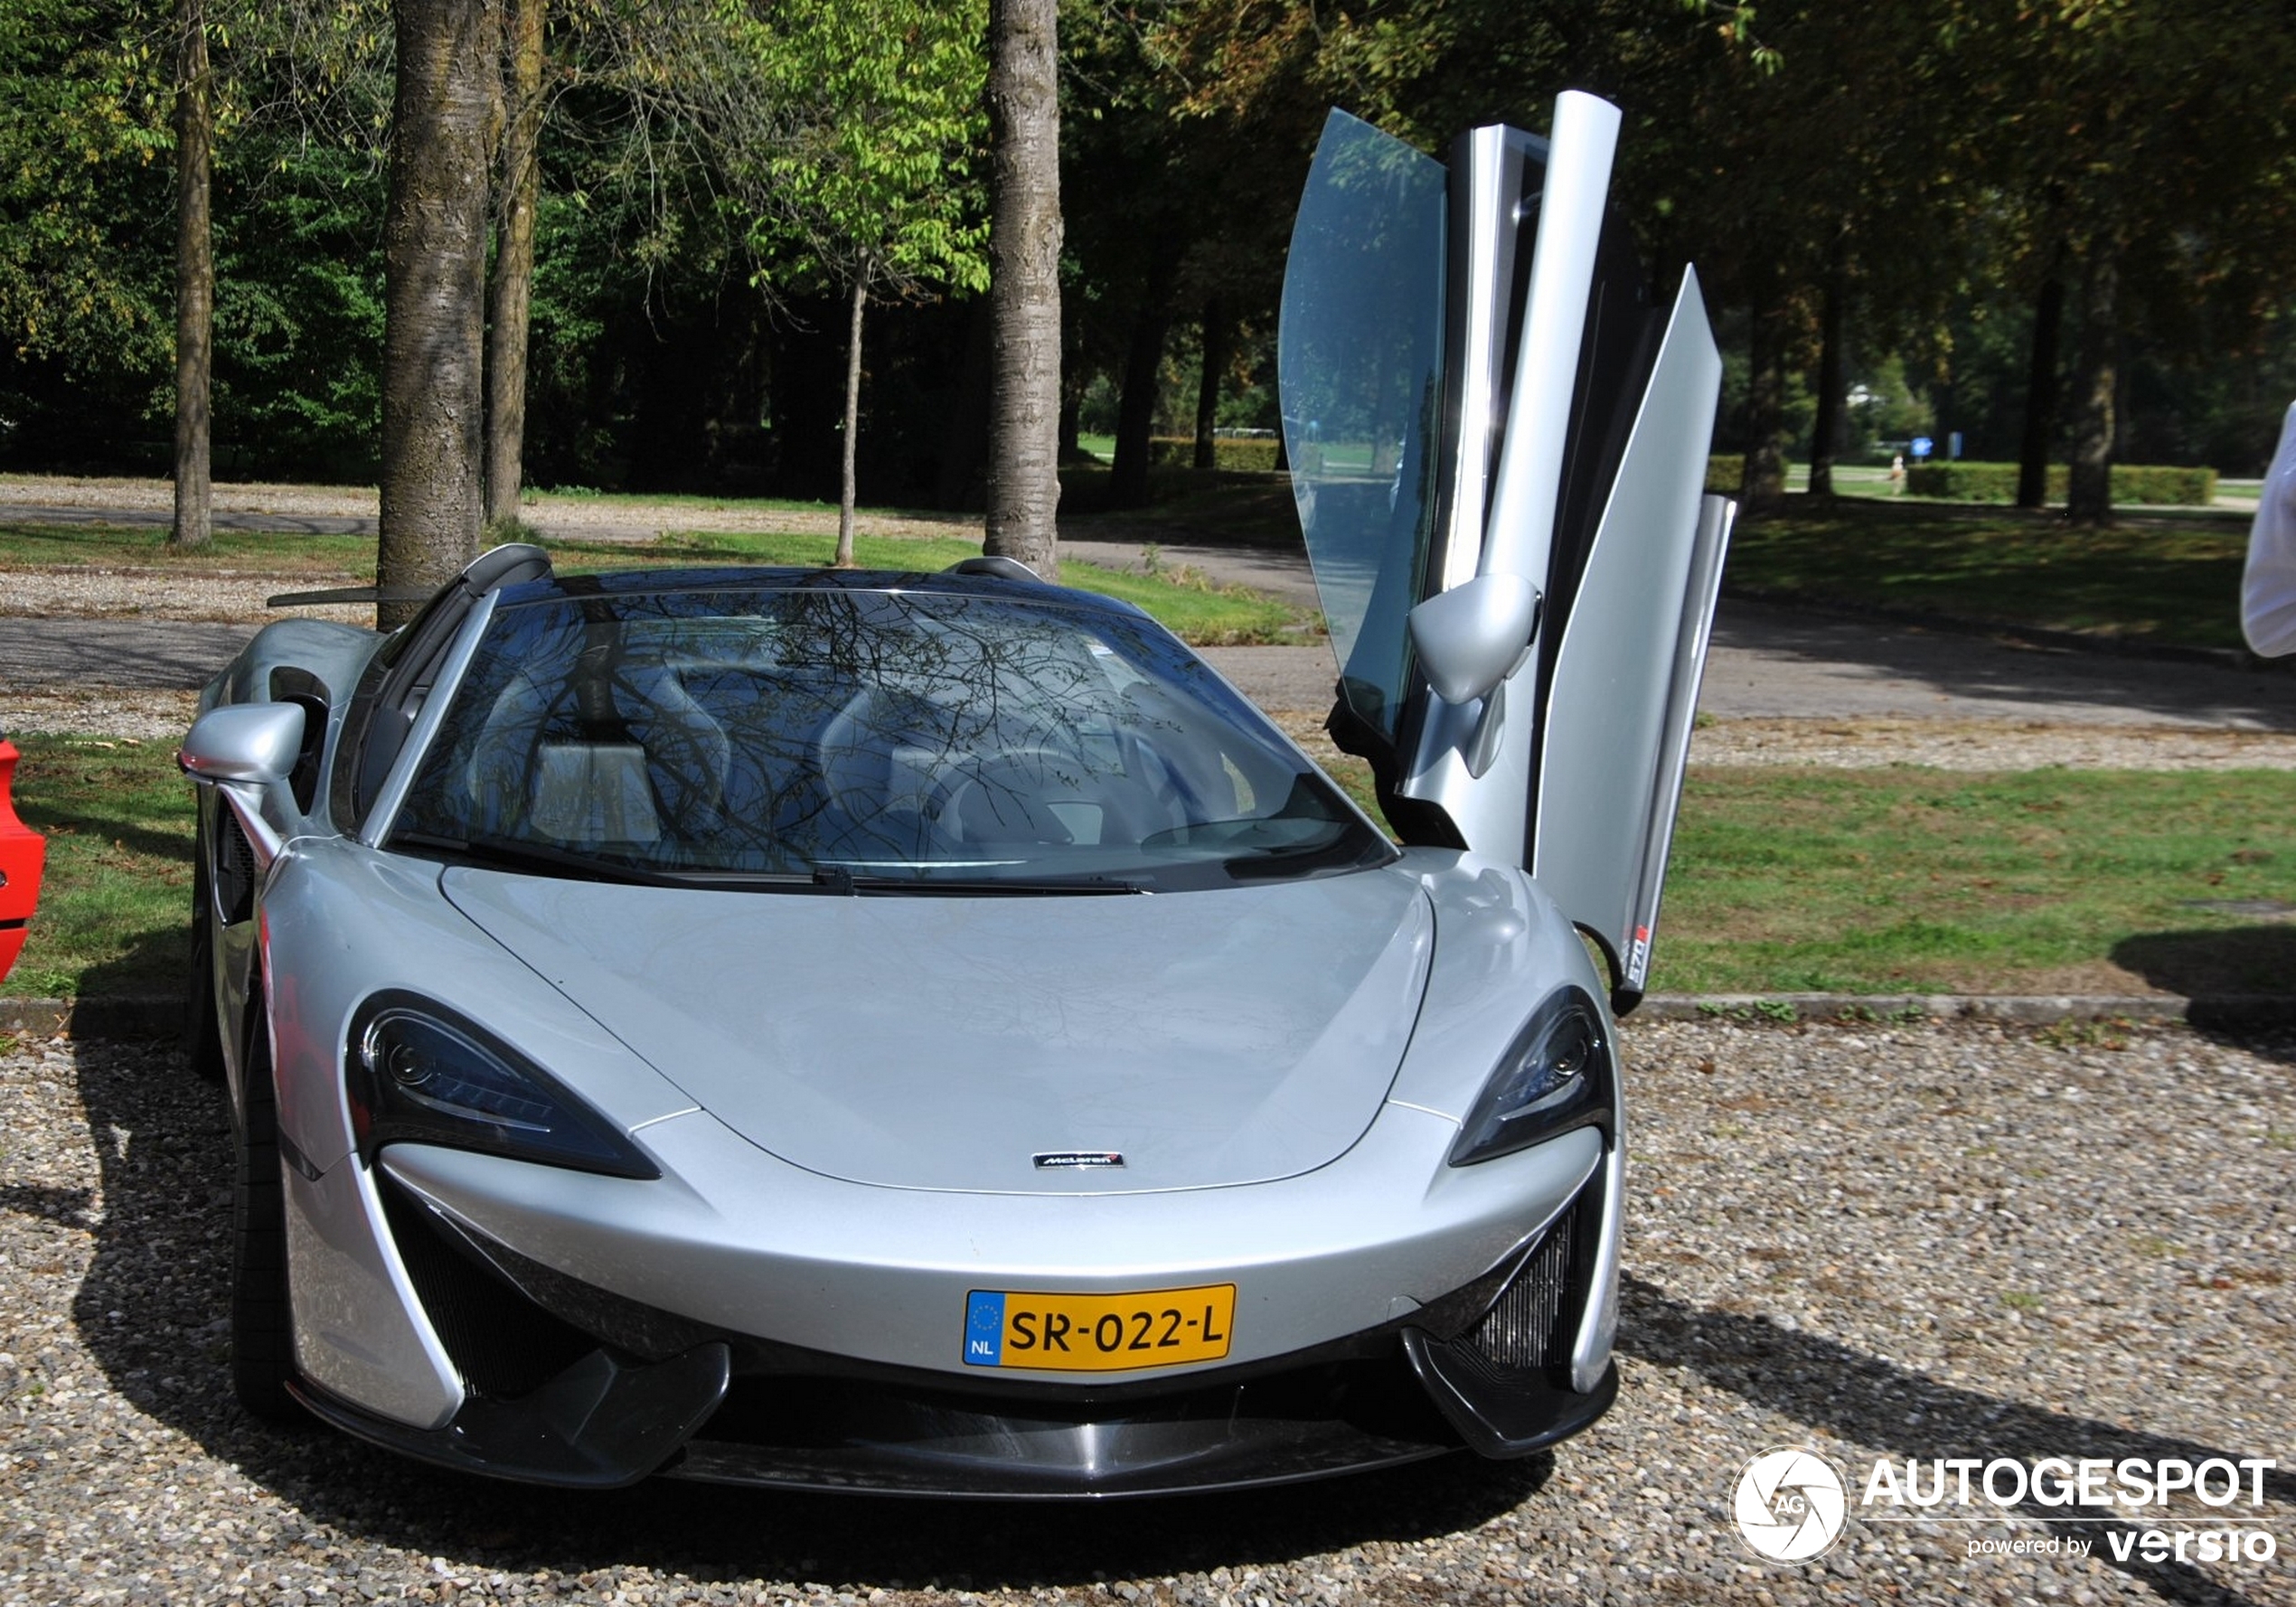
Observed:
{"x":1904,"y":1413}
{"x":150,"y":1314}
{"x":2259,"y":960}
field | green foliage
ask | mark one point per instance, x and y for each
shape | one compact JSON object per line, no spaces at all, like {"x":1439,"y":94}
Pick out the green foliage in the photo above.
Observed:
{"x":1252,"y":453}
{"x":2132,"y":483}
{"x":882,"y":100}
{"x":1724,"y":473}
{"x":87,"y":211}
{"x":82,"y":172}
{"x":1887,"y":407}
{"x":298,"y":320}
{"x":1978,"y":152}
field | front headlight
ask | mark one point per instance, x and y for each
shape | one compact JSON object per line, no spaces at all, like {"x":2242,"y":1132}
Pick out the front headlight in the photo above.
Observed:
{"x":1556,"y":1075}
{"x":418,"y":1074}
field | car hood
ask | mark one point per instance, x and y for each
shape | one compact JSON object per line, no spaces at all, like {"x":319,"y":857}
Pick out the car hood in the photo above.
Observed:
{"x":1208,"y":1038}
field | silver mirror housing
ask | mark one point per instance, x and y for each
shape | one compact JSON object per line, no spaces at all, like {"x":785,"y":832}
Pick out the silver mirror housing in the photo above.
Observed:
{"x":1471,"y":638}
{"x":245,"y":742}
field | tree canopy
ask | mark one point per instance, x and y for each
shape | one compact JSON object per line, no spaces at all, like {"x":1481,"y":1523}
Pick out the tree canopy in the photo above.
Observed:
{"x":2059,"y":226}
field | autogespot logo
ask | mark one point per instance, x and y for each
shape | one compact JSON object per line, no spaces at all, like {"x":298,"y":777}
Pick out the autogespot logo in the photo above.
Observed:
{"x":1790,"y":1505}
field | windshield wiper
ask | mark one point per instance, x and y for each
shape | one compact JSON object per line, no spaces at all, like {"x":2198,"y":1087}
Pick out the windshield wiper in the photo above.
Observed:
{"x":505,"y":854}
{"x":502,"y":854}
{"x":836,"y":880}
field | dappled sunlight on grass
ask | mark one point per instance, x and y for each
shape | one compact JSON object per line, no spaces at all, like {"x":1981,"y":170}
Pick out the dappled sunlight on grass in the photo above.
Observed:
{"x":1925,"y":880}
{"x":116,"y":895}
{"x":2150,"y":577}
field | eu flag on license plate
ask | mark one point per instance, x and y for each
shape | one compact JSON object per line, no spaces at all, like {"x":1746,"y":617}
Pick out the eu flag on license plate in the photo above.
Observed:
{"x":984,"y":1328}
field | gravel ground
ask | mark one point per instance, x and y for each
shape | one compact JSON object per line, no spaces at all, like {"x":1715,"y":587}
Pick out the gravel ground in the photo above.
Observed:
{"x":1925,"y":1242}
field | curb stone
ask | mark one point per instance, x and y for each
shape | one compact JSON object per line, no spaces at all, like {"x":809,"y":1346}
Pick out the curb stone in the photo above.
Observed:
{"x":2022,"y":1010}
{"x":161,"y":1016}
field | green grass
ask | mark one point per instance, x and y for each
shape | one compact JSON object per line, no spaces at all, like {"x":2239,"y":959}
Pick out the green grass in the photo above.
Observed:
{"x":1192,"y":609}
{"x":1915,"y":881}
{"x":117,"y":894}
{"x":1219,"y":506}
{"x":1787,"y":880}
{"x":115,"y":545}
{"x":2167,"y":579}
{"x":1784,"y":880}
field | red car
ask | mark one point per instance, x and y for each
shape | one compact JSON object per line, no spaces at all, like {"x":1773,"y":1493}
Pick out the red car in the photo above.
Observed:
{"x":22,"y":848}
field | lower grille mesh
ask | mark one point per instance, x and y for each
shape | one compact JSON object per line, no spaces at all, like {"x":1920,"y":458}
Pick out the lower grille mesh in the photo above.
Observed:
{"x":1525,"y":1327}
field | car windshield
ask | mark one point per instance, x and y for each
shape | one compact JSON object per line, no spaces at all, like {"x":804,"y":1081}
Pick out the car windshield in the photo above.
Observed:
{"x":865,"y":739}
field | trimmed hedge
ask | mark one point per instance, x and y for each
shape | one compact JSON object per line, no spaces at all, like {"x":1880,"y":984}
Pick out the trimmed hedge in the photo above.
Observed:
{"x":1248,"y":453}
{"x":2133,"y":483}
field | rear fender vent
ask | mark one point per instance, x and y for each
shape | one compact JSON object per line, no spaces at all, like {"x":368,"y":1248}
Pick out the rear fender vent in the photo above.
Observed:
{"x":234,"y":869}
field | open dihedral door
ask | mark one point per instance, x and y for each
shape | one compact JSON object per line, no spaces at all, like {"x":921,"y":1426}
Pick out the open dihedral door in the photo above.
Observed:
{"x":1498,"y":441}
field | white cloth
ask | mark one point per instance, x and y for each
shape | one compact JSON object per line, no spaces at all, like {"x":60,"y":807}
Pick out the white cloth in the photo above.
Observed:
{"x":2268,"y":589}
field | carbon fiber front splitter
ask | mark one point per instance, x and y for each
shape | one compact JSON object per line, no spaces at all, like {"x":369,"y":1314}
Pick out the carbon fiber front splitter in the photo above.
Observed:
{"x":603,"y":1424}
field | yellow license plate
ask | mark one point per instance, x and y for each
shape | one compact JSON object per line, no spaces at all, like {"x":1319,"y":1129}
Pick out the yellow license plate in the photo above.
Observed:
{"x":1097,"y":1333}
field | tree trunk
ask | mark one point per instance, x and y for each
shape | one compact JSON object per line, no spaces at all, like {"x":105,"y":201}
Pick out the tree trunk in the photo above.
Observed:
{"x":845,"y":491}
{"x":2040,"y":397}
{"x":1764,"y":486}
{"x":194,"y":277}
{"x":1024,"y":282}
{"x":512,"y":295}
{"x":434,"y":264}
{"x":1208,"y":383}
{"x":1826,"y":430}
{"x":2089,"y":496}
{"x":1144,"y":384}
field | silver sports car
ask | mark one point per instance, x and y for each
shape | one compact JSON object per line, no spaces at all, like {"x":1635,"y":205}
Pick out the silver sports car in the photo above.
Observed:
{"x":928,"y":1032}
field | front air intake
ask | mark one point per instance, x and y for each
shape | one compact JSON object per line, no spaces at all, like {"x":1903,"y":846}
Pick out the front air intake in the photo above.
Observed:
{"x":1526,"y":1327}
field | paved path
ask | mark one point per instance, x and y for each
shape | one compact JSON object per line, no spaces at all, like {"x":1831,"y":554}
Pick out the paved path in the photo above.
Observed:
{"x":1780,"y":662}
{"x":1777,"y":661}
{"x":280,"y":524}
{"x":154,"y":654}
{"x":1767,"y":661}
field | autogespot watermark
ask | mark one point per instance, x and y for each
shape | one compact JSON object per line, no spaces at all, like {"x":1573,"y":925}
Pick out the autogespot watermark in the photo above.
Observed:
{"x":1792,"y":1503}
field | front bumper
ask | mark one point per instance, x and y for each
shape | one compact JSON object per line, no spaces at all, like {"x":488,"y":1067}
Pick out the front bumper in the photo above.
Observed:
{"x":562,"y":1381}
{"x":603,"y":1426}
